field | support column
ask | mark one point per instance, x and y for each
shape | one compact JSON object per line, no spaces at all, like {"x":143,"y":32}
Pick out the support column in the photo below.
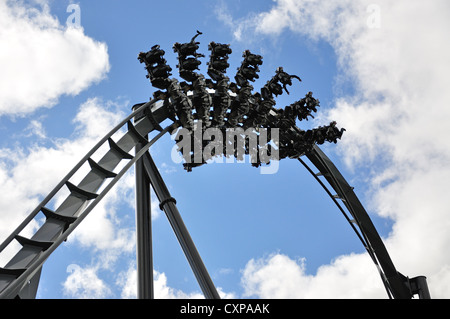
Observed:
{"x":144,"y":254}
{"x":178,"y":226}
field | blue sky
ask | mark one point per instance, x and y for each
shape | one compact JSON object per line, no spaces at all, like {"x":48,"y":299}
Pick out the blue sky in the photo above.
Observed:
{"x":260,"y":236}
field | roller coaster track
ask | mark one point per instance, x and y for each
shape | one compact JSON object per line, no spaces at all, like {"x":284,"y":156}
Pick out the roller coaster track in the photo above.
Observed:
{"x":19,"y":278}
{"x":397,"y":286}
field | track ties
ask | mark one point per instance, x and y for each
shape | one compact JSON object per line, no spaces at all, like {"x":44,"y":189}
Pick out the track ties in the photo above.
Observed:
{"x":95,"y":166}
{"x":44,"y":245}
{"x":119,"y":150}
{"x":80,"y":193}
{"x":51,"y":214}
{"x":11,"y":272}
{"x":132,"y":129}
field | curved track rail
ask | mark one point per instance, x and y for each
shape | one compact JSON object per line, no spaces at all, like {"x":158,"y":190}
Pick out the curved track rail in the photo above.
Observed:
{"x":19,"y":278}
{"x":397,"y":285}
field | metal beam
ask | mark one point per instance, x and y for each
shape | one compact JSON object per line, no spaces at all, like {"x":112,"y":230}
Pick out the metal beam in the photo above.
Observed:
{"x":13,"y":288}
{"x":398,"y":286}
{"x":144,"y":252}
{"x":167,"y":203}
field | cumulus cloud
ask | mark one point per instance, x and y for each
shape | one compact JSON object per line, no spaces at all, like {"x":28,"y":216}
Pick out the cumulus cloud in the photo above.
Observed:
{"x":127,"y":280}
{"x":28,"y":174}
{"x":104,"y":231}
{"x":278,"y":276}
{"x":40,"y":59}
{"x":396,"y":56}
{"x":84,"y":283}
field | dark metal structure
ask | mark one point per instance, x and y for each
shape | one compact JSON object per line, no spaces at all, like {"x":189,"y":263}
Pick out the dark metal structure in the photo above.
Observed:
{"x":205,"y":103}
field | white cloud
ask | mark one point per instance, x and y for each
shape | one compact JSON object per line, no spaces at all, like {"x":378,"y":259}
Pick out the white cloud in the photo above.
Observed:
{"x":84,"y":283}
{"x":35,"y":128}
{"x":28,"y":174}
{"x":396,"y":121}
{"x":104,"y":231}
{"x":40,"y":59}
{"x":279,"y":277}
{"x":275,"y":277}
{"x":127,"y":280}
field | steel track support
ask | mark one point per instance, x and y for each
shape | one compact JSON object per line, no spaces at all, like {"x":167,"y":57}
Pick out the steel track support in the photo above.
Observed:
{"x":400,"y":286}
{"x":419,"y":286}
{"x":167,"y":203}
{"x":144,"y":253}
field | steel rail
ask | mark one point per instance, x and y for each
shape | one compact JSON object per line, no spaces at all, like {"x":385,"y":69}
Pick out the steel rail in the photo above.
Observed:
{"x":75,"y":169}
{"x":398,"y":286}
{"x":13,"y":289}
{"x":167,"y":203}
{"x":352,"y":225}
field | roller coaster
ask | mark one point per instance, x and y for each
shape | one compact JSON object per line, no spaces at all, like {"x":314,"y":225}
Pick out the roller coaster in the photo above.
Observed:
{"x":195,"y":104}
